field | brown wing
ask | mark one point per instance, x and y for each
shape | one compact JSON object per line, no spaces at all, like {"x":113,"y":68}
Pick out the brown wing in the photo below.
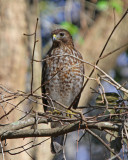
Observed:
{"x":43,"y":81}
{"x":43,"y":85}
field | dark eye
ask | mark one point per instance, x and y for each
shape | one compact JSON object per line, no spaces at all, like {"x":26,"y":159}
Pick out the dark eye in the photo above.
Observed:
{"x":61,"y":34}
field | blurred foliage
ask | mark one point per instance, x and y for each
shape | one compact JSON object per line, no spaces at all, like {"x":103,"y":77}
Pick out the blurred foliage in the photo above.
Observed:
{"x":73,"y":29}
{"x":111,"y":97}
{"x":114,"y":114}
{"x":115,"y":141}
{"x":105,"y":4}
{"x":114,"y":101}
{"x":42,"y":5}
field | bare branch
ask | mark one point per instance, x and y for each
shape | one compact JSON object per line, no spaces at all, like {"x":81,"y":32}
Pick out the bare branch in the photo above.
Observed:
{"x":10,"y":134}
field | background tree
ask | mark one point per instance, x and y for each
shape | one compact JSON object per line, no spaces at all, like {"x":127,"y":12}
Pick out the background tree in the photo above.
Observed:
{"x":18,"y":17}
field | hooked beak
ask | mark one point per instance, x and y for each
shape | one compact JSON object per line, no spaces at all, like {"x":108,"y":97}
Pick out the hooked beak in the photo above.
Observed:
{"x":54,"y":37}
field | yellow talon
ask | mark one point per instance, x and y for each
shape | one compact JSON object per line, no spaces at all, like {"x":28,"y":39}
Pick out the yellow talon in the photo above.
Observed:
{"x":69,"y":113}
{"x":54,"y":112}
{"x":57,"y":112}
{"x":49,"y":112}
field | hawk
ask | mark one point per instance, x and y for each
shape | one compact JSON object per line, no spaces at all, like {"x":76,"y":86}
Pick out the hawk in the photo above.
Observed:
{"x":62,"y":79}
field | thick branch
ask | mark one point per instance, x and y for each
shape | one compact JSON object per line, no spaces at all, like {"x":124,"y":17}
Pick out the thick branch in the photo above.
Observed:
{"x":56,"y":131}
{"x":20,"y":124}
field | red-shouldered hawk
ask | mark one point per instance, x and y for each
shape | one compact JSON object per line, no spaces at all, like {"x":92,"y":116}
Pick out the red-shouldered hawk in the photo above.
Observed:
{"x":62,"y":78}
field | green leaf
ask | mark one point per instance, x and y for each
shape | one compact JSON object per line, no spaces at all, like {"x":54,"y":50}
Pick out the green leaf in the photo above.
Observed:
{"x":102,"y":5}
{"x":73,"y":29}
{"x":117,"y":5}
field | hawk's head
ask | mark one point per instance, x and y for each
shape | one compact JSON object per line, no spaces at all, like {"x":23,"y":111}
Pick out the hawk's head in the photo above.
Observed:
{"x":62,"y":36}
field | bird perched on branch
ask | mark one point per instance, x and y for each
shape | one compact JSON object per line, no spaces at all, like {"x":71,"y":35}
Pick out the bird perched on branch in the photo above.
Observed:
{"x":62,"y":80}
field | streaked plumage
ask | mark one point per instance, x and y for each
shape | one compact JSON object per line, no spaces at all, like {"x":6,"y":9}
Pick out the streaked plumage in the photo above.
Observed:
{"x":62,"y":75}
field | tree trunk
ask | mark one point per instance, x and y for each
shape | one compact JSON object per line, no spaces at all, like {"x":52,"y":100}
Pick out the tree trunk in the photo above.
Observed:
{"x":16,"y":18}
{"x":13,"y":59}
{"x":42,"y":151}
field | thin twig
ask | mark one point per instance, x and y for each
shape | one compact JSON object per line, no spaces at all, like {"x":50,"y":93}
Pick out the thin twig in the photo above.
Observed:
{"x":34,"y":145}
{"x":35,"y":41}
{"x":33,"y":52}
{"x":113,"y":51}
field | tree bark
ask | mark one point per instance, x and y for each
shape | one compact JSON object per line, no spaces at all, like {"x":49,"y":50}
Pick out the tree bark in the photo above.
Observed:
{"x":13,"y":59}
{"x":16,"y":18}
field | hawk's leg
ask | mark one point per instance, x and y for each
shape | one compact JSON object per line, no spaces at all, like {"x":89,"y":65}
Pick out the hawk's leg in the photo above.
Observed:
{"x":69,"y":113}
{"x":55,"y":112}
